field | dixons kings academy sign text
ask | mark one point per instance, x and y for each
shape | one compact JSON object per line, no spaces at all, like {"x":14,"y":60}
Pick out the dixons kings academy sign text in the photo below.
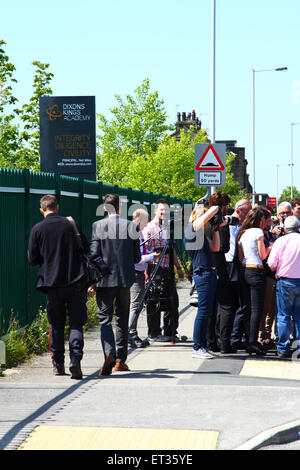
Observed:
{"x":68,"y":135}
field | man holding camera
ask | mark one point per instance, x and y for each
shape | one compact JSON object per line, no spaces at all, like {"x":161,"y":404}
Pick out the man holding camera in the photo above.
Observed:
{"x":116,"y":241}
{"x":52,"y":246}
{"x":284,"y":210}
{"x":156,"y":232}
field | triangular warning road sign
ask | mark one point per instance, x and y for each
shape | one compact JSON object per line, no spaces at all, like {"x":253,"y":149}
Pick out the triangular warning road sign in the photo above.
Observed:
{"x":210,"y":161}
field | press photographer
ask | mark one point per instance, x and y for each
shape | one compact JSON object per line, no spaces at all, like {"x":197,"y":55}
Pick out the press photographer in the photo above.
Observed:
{"x":220,"y":323}
{"x":284,"y":210}
{"x":204,"y":272}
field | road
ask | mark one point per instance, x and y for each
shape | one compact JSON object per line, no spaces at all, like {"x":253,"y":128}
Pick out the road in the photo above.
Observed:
{"x":168,"y":400}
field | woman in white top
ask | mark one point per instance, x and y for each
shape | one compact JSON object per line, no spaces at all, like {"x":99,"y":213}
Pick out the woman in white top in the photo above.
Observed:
{"x":252,"y":252}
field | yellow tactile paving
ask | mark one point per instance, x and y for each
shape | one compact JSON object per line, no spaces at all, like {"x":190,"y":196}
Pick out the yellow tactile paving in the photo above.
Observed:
{"x":279,"y":369}
{"x":98,"y":438}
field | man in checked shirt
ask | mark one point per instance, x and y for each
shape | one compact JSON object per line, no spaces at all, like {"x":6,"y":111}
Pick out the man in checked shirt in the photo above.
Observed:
{"x":157,"y":237}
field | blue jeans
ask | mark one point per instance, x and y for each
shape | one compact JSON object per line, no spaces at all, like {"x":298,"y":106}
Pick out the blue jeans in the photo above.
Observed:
{"x":288,"y":305}
{"x":205,"y":283}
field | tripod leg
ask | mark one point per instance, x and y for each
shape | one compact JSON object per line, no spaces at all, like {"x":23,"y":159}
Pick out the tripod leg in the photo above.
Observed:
{"x":153,"y":319}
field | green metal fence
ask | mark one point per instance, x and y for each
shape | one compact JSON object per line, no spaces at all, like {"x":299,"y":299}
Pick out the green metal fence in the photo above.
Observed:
{"x":20,"y":193}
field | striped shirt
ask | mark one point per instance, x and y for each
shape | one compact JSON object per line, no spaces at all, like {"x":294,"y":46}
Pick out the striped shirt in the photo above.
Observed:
{"x":156,"y":237}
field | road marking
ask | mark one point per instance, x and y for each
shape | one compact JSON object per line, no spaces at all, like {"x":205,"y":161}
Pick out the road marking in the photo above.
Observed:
{"x":278,"y":369}
{"x":106,"y":438}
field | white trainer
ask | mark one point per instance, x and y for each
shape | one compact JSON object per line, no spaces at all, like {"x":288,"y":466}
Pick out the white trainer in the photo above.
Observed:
{"x":202,"y":353}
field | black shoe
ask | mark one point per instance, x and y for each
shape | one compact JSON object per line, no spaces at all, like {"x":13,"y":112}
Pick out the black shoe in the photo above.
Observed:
{"x":268,"y":344}
{"x":228,"y":350}
{"x":255,"y":349}
{"x":139,"y":343}
{"x":135,"y":341}
{"x":58,"y":369}
{"x":75,"y":370}
{"x":239,"y":345}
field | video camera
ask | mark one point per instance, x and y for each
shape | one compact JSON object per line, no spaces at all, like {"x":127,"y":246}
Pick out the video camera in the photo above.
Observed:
{"x":158,"y":292}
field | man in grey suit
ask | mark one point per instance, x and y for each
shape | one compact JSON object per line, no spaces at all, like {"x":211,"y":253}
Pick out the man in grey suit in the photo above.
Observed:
{"x":115,"y":240}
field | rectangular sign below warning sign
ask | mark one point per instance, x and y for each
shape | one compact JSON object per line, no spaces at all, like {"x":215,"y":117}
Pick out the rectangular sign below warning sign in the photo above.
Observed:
{"x":209,"y":178}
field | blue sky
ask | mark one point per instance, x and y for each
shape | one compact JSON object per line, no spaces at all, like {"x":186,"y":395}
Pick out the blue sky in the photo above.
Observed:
{"x":102,"y":48}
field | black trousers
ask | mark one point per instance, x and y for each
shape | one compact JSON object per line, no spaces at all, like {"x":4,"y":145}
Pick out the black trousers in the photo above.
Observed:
{"x":230,"y":301}
{"x":62,"y":302}
{"x":221,"y":319}
{"x":254,"y":293}
{"x":248,"y":316}
{"x":164,"y":298}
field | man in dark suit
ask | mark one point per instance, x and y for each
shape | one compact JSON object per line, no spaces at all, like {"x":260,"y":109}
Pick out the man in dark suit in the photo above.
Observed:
{"x":116,"y":241}
{"x":52,"y":246}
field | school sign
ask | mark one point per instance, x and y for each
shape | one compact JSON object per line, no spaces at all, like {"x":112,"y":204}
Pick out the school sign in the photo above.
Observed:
{"x":68,"y":136}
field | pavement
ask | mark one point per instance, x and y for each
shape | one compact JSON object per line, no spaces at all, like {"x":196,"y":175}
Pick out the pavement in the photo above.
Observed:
{"x":167,"y":401}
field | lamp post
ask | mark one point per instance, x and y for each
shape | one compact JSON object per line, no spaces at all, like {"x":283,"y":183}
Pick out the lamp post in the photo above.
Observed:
{"x":278,"y":69}
{"x":292,"y":157}
{"x":213,"y":75}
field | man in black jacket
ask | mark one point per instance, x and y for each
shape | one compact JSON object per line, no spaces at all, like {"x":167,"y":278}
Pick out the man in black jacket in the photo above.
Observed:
{"x":116,"y":240}
{"x":52,"y":246}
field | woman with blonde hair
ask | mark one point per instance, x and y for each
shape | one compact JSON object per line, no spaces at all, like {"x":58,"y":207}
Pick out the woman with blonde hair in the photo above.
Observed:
{"x":200,"y":249}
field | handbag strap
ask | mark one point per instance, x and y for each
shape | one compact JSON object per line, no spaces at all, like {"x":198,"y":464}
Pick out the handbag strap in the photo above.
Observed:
{"x":77,"y":234}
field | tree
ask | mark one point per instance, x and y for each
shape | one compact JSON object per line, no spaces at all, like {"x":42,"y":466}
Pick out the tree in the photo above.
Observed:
{"x":29,"y":156}
{"x":137,"y":127}
{"x":9,"y":133}
{"x":286,"y":194}
{"x":170,"y":170}
{"x":19,"y":128}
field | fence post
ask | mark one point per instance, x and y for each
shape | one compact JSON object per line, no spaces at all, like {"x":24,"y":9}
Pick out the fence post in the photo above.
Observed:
{"x":2,"y":353}
{"x":57,"y":186}
{"x":81,"y":197}
{"x":26,"y":175}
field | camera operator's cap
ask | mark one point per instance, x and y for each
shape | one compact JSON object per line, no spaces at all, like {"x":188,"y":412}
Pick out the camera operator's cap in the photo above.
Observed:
{"x":291,"y":222}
